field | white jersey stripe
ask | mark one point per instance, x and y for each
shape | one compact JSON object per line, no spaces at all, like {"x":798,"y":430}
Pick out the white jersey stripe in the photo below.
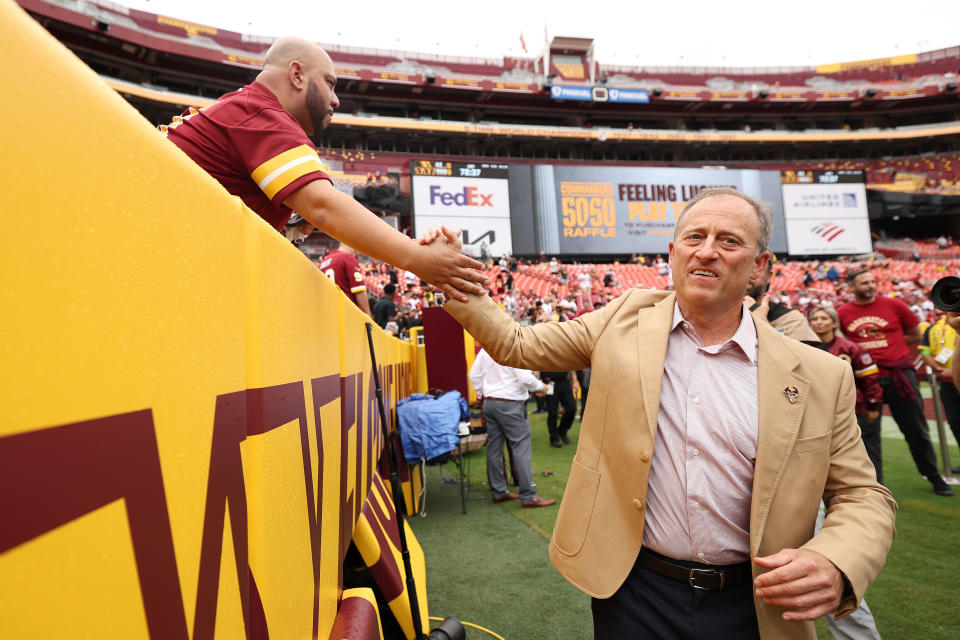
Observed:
{"x":279,"y":171}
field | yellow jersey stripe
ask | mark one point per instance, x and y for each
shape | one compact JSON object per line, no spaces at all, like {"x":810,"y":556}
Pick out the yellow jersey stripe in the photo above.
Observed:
{"x":277,"y":161}
{"x":273,"y":183}
{"x":358,"y":289}
{"x":862,"y":373}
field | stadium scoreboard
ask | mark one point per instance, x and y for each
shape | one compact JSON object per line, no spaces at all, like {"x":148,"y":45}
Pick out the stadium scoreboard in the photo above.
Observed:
{"x":471,"y":197}
{"x":575,"y":210}
{"x":825,"y":212}
{"x":458,"y":169}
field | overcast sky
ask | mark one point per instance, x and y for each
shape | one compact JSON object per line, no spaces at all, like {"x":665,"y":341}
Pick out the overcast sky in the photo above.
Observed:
{"x":688,"y":33}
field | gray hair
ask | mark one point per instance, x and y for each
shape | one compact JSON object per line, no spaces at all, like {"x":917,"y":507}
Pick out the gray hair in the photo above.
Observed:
{"x":764,"y":213}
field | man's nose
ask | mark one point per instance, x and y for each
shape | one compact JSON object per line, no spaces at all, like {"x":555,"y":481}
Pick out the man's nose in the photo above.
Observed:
{"x":707,"y":250}
{"x":334,"y":101}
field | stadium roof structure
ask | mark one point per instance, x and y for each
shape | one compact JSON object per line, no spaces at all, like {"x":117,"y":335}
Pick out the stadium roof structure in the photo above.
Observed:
{"x":560,"y":104}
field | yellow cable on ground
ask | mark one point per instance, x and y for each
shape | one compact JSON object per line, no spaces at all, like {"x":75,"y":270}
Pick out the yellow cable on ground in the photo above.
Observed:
{"x":475,"y":626}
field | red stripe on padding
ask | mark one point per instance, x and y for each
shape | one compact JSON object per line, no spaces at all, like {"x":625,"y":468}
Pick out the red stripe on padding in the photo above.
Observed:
{"x":357,"y":618}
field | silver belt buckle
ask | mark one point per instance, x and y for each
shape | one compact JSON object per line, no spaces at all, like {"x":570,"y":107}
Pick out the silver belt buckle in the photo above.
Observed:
{"x":692,"y":578}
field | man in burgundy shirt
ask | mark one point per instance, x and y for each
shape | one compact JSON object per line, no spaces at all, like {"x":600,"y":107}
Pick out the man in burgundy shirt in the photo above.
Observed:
{"x":885,"y":327}
{"x":341,"y":266}
{"x":255,"y":142}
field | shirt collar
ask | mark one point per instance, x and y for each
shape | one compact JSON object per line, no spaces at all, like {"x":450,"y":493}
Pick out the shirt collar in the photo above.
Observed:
{"x":745,"y":336}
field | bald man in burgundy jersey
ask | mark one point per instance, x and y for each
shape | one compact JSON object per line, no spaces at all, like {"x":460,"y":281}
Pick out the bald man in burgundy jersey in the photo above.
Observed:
{"x":255,"y":142}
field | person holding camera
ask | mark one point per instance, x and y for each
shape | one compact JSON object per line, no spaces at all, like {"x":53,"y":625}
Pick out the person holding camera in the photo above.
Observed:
{"x":885,"y":328}
{"x":953,"y":319}
{"x":938,"y":349}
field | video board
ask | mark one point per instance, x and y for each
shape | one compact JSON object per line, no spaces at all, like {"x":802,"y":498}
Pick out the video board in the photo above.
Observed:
{"x":569,"y":210}
{"x":825,"y":212}
{"x":473,"y":198}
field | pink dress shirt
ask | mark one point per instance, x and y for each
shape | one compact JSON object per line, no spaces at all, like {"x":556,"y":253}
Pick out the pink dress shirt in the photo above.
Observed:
{"x":701,"y":475}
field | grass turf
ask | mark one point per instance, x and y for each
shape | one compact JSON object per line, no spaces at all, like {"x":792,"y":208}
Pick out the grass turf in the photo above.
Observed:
{"x":490,"y":567}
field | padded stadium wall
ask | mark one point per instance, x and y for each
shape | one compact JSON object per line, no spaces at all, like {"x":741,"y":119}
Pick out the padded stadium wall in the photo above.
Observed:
{"x":188,"y":428}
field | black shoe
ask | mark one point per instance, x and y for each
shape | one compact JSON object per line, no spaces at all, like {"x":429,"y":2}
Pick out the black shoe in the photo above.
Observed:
{"x":554,"y":442}
{"x":564,"y":439}
{"x":955,"y":471}
{"x":940,"y":487}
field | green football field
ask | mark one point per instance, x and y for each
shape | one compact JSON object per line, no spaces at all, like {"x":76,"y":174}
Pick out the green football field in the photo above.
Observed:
{"x":490,"y":566}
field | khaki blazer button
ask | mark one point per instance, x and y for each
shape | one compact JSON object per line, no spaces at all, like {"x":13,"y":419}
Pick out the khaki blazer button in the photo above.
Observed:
{"x":638,"y":504}
{"x":644,"y":456}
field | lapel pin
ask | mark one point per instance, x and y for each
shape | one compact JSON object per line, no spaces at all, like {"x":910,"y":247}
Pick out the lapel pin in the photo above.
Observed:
{"x":792,"y":394}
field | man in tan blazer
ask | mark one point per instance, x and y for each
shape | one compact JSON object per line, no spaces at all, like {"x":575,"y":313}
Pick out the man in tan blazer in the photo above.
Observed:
{"x":791,"y":431}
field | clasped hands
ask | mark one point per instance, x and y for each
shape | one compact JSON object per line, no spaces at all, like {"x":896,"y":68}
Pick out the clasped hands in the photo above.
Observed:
{"x":802,"y":581}
{"x":452,"y":271}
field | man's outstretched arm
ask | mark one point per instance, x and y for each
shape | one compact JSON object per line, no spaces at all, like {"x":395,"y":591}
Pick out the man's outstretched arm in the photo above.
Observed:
{"x":342,"y":217}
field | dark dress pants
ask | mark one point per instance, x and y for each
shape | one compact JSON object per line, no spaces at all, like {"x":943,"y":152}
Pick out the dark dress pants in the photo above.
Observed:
{"x":912,"y":423}
{"x":654,"y":607}
{"x":583,"y":379}
{"x":562,"y":396}
{"x":870,"y":434}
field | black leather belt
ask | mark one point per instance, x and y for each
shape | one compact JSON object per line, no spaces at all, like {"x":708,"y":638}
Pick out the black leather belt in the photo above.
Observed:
{"x":717,"y":577}
{"x":501,"y":399}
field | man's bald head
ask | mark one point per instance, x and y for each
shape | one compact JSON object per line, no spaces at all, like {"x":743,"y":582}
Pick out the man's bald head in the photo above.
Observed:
{"x":291,"y":48}
{"x":302,"y":77}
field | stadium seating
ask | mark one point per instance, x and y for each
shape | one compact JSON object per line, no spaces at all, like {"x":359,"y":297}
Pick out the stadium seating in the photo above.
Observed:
{"x":926,"y":72}
{"x":533,"y":282}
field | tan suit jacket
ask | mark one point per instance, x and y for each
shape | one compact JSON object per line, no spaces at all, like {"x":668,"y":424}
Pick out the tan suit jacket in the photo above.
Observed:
{"x":807,"y":450}
{"x":795,"y":326}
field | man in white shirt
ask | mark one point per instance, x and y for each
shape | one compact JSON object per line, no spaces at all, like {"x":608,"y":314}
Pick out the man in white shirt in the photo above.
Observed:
{"x":584,"y":281}
{"x":505,"y":391}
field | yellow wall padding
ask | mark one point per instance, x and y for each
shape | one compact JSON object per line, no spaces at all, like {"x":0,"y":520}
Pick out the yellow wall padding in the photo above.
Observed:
{"x":187,"y":424}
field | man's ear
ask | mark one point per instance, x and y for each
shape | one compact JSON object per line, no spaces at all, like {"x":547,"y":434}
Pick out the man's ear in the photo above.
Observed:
{"x":296,"y":75}
{"x":760,"y":265}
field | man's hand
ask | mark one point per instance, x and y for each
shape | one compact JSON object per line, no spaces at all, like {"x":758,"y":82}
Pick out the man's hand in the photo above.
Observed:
{"x":801,"y":580}
{"x":872,"y":415}
{"x":342,"y":217}
{"x":444,"y":235}
{"x":441,"y":253}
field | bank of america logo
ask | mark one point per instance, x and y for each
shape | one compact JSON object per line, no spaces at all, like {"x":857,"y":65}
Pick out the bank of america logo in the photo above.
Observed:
{"x":828,"y":230}
{"x":850,"y":200}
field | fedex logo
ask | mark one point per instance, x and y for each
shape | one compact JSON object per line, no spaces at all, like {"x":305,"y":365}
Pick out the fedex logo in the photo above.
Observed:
{"x":469,"y":197}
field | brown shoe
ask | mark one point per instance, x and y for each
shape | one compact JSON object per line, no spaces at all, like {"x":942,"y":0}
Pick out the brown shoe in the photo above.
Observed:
{"x":507,"y":496}
{"x":538,"y":502}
